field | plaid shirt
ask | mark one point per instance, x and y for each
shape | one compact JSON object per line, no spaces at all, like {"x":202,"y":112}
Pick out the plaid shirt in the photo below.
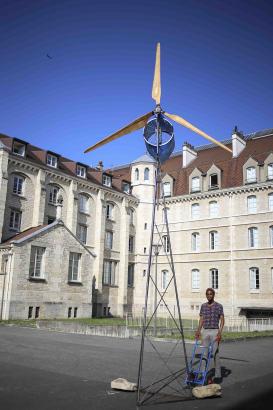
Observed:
{"x":211,"y":315}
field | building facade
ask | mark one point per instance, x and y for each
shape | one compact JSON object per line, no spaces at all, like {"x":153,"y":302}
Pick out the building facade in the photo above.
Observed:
{"x":220,"y":213}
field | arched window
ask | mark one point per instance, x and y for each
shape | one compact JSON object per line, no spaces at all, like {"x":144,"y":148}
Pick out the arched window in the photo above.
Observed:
{"x":195,"y":211}
{"x":254,"y":278}
{"x":213,"y":240}
{"x":195,"y":279}
{"x":136,"y":174}
{"x":195,"y":242}
{"x":253,"y":237}
{"x":252,"y":204}
{"x":214,"y":278}
{"x":146,"y":174}
{"x":164,"y":279}
{"x":213,"y":209}
{"x":251,"y":174}
{"x":83,"y":203}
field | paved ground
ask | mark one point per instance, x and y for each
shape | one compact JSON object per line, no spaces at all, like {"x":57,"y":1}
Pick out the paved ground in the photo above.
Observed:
{"x":46,"y":370}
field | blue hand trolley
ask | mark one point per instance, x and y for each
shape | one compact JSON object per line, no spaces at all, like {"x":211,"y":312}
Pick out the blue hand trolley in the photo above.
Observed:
{"x":198,"y":369}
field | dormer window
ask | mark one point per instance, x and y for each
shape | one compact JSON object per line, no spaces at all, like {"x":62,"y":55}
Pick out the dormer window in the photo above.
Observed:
{"x":81,"y":171}
{"x":195,"y":184}
{"x":167,"y":189}
{"x":19,"y":148}
{"x":106,"y":180}
{"x":251,"y":174}
{"x":270,"y":171}
{"x":51,"y":160}
{"x":126,"y":187}
{"x":213,"y":181}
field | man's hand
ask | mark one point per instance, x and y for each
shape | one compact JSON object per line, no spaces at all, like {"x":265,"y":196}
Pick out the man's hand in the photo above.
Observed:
{"x":218,"y":337}
{"x":197,"y":334}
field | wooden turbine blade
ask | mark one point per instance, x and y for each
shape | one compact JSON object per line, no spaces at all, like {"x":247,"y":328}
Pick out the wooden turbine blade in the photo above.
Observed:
{"x":133,"y":126}
{"x":186,"y":124}
{"x":156,"y":91}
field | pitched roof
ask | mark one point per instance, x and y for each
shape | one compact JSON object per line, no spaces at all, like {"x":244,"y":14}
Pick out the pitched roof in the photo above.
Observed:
{"x":144,"y":158}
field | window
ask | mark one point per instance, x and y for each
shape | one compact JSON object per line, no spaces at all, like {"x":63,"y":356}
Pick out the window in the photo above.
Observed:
{"x":270,"y":202}
{"x":53,"y":194}
{"x":83,"y":203}
{"x":251,"y":174}
{"x":51,"y":160}
{"x":166,"y":243}
{"x":36,"y":259}
{"x":167,"y":189}
{"x":75,"y":312}
{"x":18,"y":185}
{"x":131,"y":244}
{"x":214,"y":280}
{"x":74,"y":267}
{"x":252,"y":204}
{"x":81,"y":171}
{"x":15,"y":220}
{"x":254,"y":279}
{"x":213,"y":209}
{"x":146,"y":174}
{"x":270,"y":171}
{"x":271,"y":235}
{"x":136,"y":174}
{"x":69,"y":313}
{"x":109,"y":273}
{"x":131,"y":216}
{"x":165,"y":215}
{"x":195,"y":242}
{"x":252,"y":237}
{"x":144,"y":250}
{"x":164,"y":279}
{"x":109,"y":240}
{"x":82,"y":233}
{"x":272,"y":279}
{"x":213,"y":240}
{"x":195,"y":279}
{"x":144,"y":272}
{"x":195,"y":184}
{"x":131,"y":268}
{"x":213,"y":181}
{"x":4,"y":264}
{"x":195,"y":211}
{"x":126,"y":187}
{"x":106,"y":180}
{"x":30,"y":312}
{"x":145,"y":226}
{"x":37,"y":312}
{"x":109,"y":211}
{"x":19,"y":148}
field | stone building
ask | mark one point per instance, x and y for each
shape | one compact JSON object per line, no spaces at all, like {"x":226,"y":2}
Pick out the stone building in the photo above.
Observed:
{"x":220,"y":212}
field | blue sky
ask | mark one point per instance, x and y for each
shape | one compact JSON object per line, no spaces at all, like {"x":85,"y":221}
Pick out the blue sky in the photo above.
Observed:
{"x":216,"y":70}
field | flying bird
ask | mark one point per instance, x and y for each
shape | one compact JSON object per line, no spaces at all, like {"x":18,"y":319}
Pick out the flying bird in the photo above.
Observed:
{"x":48,"y":56}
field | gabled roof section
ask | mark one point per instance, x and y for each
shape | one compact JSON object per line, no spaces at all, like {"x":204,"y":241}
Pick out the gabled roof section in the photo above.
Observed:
{"x":144,"y":158}
{"x":35,"y":231}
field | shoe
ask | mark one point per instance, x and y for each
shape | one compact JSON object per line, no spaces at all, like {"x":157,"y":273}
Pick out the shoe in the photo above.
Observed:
{"x":217,"y":380}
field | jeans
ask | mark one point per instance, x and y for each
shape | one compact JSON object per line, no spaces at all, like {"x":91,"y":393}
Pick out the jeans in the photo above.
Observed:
{"x":208,"y":336}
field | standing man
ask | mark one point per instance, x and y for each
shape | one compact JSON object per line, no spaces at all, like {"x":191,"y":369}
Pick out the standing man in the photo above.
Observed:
{"x":211,"y":313}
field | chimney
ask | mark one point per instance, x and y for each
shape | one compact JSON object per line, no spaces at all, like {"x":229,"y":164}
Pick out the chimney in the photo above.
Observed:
{"x":238,"y":142}
{"x":100,"y":165}
{"x":189,"y":154}
{"x":59,"y":208}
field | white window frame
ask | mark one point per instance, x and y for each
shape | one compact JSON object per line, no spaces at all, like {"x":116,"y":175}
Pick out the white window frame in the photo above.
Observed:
{"x":213,"y":186}
{"x":110,"y":211}
{"x":213,"y":209}
{"x":195,"y":211}
{"x":126,"y":187}
{"x":53,"y":194}
{"x":36,"y":262}
{"x":195,"y":280}
{"x":270,"y":171}
{"x":164,"y":279}
{"x":74,"y":267}
{"x":251,"y":174}
{"x":252,"y":204}
{"x":254,"y":279}
{"x":81,"y":171}
{"x":109,"y":236}
{"x":214,"y":278}
{"x":51,"y":160}
{"x":146,"y":174}
{"x":166,"y":243}
{"x":195,"y":184}
{"x":83,"y":203}
{"x":270,"y":202}
{"x":213,"y":240}
{"x":15,"y":220}
{"x":18,"y":185}
{"x":166,"y":189}
{"x":82,"y":233}
{"x":253,"y":239}
{"x":195,"y":242}
{"x":106,"y":180}
{"x":109,"y":273}
{"x":19,"y":148}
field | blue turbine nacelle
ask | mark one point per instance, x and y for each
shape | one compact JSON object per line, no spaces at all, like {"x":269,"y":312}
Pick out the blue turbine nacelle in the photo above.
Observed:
{"x":159,"y":138}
